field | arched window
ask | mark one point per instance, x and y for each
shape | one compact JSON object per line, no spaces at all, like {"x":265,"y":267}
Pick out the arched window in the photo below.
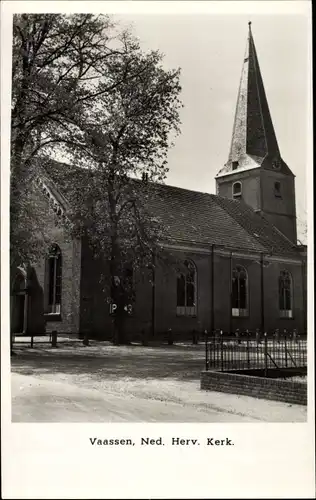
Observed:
{"x":239,"y":291}
{"x":285,"y":295}
{"x":186,"y":290}
{"x":237,"y":190}
{"x":54,"y":275}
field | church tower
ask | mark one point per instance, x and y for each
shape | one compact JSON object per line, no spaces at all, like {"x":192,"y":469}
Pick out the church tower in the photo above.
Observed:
{"x":255,"y":171}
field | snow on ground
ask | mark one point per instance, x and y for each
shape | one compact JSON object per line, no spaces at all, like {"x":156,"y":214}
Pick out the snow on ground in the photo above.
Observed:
{"x":128,"y":383}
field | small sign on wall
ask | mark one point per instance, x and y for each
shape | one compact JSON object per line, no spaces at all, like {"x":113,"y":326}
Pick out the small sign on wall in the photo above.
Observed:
{"x":128,"y":308}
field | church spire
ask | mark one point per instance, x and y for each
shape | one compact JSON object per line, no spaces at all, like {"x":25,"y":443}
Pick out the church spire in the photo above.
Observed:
{"x":253,"y":138}
{"x":255,"y":172}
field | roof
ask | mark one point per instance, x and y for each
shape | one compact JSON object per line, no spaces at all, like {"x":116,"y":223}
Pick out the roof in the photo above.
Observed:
{"x":190,"y":216}
{"x":253,"y":139}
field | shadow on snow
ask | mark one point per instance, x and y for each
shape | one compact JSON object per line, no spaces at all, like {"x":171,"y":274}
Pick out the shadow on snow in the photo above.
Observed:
{"x":112,"y":363}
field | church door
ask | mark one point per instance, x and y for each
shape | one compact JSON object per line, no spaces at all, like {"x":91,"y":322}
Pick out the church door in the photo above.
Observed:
{"x":19,"y":310}
{"x":19,"y":313}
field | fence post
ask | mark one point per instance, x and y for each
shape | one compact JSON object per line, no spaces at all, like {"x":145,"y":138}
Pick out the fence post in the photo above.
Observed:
{"x":206,"y":351}
{"x":248,"y":358}
{"x":54,"y":338}
{"x":194,"y":337}
{"x":301,"y":362}
{"x":237,"y":335}
{"x":257,"y":336}
{"x":32,"y":341}
{"x":265,"y":354}
{"x":170,"y":338}
{"x":285,"y":347}
{"x":295,"y":335}
{"x":86,"y":339}
{"x":144,"y":338}
{"x":222,"y":360}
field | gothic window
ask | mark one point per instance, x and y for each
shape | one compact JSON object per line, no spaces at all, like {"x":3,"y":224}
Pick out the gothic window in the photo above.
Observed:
{"x":54,"y":274}
{"x":277,"y":189}
{"x":186,"y":290}
{"x":237,"y":190}
{"x":239,"y":291}
{"x":285,"y":295}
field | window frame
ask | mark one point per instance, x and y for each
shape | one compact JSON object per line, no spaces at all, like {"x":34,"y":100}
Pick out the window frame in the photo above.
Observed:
{"x":277,"y":190}
{"x":186,"y":310}
{"x":53,"y":300}
{"x":240,"y":312}
{"x":286,"y":313}
{"x":238,"y":194}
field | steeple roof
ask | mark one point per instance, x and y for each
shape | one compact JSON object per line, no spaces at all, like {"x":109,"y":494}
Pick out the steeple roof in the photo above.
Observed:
{"x":253,"y":139}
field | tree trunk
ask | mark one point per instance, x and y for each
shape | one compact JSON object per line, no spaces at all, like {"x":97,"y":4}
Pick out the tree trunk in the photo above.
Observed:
{"x":117,"y":285}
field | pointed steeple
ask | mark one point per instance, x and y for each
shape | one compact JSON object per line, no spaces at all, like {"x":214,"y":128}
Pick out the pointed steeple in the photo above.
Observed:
{"x":253,"y":139}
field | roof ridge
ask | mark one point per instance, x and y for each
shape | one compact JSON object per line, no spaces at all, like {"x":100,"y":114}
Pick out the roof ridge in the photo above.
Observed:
{"x":134,"y":179}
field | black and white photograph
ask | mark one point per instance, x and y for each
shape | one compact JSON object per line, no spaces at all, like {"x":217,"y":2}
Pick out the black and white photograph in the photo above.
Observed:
{"x":158,"y":224}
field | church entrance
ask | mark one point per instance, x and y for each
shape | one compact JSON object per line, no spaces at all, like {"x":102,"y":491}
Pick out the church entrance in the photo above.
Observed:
{"x":19,"y":305}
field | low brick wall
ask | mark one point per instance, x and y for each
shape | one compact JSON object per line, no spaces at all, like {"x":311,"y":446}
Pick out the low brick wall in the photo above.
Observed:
{"x":258,"y":387}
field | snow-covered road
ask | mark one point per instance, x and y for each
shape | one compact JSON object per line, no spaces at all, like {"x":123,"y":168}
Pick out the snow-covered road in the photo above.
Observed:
{"x":42,"y":400}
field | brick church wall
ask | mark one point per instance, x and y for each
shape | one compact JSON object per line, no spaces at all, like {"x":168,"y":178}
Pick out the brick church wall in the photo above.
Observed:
{"x":85,"y":308}
{"x":166,"y":297}
{"x":71,"y":259}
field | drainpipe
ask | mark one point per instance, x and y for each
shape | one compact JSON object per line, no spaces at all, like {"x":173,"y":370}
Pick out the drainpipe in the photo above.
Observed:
{"x":262,"y":293}
{"x":231,"y":294}
{"x":26,"y":304}
{"x":153,"y":296}
{"x":212,"y":292}
{"x":304,"y":287}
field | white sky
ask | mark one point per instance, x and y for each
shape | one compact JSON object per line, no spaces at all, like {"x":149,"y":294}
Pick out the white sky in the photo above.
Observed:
{"x":210,"y":49}
{"x":207,"y":40}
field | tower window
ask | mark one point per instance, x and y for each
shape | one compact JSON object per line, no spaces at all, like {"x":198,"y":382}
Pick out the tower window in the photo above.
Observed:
{"x":54,"y":271}
{"x":277,"y":189}
{"x":237,"y":190}
{"x":186,"y":291}
{"x":285,"y":295}
{"x":235,"y":165}
{"x":239,"y":291}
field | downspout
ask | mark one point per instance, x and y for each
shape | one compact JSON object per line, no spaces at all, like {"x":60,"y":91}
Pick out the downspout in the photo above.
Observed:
{"x":212,"y":292}
{"x":231,"y":294}
{"x":153,"y":296}
{"x":26,"y":305}
{"x":304,"y":288}
{"x":262,"y":294}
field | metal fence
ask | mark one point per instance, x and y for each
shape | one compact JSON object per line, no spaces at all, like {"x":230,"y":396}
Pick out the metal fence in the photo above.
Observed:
{"x":53,"y":339}
{"x":227,"y":353}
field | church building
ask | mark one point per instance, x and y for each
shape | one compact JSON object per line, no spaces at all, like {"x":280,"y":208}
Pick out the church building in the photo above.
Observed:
{"x":245,"y":268}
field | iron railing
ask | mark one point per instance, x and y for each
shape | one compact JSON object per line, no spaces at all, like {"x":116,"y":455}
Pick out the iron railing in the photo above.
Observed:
{"x":50,"y":338}
{"x":246,"y":353}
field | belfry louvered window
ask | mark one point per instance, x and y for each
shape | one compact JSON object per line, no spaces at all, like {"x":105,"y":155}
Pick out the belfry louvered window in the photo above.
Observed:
{"x":285,"y":295}
{"x":239,"y":291}
{"x":54,"y":279}
{"x":187,"y":290}
{"x":237,"y":190}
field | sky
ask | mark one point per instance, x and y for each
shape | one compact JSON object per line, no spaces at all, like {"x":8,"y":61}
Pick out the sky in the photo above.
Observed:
{"x":207,"y":40}
{"x":209,"y":49}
